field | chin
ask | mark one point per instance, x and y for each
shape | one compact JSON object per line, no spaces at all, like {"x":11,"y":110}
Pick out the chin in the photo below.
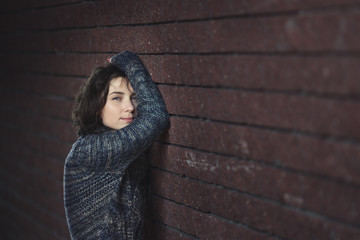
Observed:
{"x":122,"y":126}
{"x":119,"y":126}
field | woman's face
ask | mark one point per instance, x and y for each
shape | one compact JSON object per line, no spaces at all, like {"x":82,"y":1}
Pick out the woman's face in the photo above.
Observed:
{"x":120,"y":107}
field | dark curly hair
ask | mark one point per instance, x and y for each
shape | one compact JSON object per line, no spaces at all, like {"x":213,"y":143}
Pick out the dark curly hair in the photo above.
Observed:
{"x":91,"y":99}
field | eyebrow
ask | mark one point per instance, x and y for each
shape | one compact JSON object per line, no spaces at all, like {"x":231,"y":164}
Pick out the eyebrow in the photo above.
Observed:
{"x":117,"y":93}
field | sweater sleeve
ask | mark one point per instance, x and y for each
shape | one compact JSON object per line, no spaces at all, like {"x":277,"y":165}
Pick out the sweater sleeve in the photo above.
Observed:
{"x":115,"y":150}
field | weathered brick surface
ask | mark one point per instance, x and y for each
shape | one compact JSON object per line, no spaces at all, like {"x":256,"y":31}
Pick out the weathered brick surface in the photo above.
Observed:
{"x":55,"y":86}
{"x":51,"y":204}
{"x":56,"y":128}
{"x":33,"y":179}
{"x":294,"y":189}
{"x":298,"y":74}
{"x":251,"y":211}
{"x":295,"y":73}
{"x":54,"y":65}
{"x":24,"y":227}
{"x":160,"y":231}
{"x":322,"y":32}
{"x":305,"y":153}
{"x":11,"y":6}
{"x":264,"y":140}
{"x":309,"y":114}
{"x":45,"y":165}
{"x":40,"y":215}
{"x":39,"y":104}
{"x":60,"y":129}
{"x":199,"y":223}
{"x":127,"y":12}
{"x":48,"y":146}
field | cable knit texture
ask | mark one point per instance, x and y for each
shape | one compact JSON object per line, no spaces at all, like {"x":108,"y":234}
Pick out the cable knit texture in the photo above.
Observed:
{"x":104,"y":174}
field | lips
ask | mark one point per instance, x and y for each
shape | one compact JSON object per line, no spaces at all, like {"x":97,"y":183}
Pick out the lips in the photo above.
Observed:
{"x":127,"y":119}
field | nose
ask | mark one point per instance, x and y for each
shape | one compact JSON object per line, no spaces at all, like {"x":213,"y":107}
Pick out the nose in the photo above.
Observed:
{"x":129,"y":107}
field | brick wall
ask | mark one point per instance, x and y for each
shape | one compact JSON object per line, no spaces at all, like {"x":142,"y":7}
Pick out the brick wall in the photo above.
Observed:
{"x":264,"y":98}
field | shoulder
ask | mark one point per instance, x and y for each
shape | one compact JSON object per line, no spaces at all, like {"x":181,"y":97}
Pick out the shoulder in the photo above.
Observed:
{"x":92,"y":145}
{"x":82,"y":148}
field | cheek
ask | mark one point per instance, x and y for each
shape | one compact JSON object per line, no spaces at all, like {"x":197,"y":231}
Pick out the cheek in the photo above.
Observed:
{"x":112,"y":109}
{"x":107,"y":112}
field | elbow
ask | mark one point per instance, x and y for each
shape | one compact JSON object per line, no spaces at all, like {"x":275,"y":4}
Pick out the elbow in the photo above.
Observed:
{"x":167,"y":121}
{"x":164,"y":121}
{"x":156,"y":117}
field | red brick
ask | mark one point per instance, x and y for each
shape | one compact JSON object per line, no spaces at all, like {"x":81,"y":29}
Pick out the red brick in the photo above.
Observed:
{"x":196,"y":223}
{"x":49,"y":221}
{"x":59,"y":129}
{"x":32,"y":179}
{"x":320,"y":74}
{"x":314,"y":155}
{"x":258,"y":179}
{"x":9,"y":229}
{"x":294,"y":5}
{"x":48,"y":146}
{"x":42,"y":105}
{"x":47,"y":166}
{"x":127,"y":12}
{"x":48,"y":85}
{"x":49,"y":203}
{"x":250,"y":211}
{"x":316,"y":115}
{"x":24,"y":227}
{"x":75,"y":65}
{"x":162,"y":232}
{"x":304,"y":33}
{"x":25,"y":4}
{"x":295,"y":73}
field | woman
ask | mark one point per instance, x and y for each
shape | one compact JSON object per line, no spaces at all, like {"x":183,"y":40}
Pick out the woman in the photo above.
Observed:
{"x":104,"y":175}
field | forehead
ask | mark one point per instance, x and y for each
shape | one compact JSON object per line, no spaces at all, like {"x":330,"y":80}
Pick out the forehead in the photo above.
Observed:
{"x":120,"y":84}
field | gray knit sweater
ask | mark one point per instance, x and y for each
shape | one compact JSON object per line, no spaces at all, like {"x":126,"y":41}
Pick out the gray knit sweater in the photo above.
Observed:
{"x":104,"y":174}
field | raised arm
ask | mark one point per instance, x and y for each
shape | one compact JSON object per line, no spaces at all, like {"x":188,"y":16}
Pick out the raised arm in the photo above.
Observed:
{"x":115,"y":150}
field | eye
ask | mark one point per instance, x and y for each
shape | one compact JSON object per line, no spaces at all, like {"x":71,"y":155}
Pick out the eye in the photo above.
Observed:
{"x":116,"y":98}
{"x":134,"y":98}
